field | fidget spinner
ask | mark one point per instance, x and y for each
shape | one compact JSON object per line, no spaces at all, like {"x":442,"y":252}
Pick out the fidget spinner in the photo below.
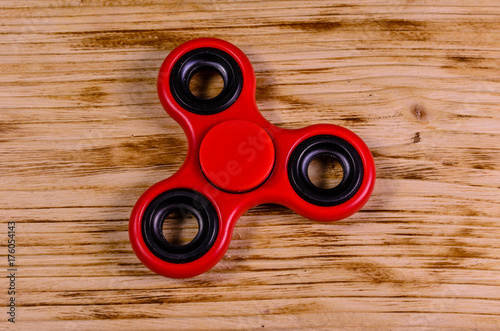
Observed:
{"x":236,"y":160}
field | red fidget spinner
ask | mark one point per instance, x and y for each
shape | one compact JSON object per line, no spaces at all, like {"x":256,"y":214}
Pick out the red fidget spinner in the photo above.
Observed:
{"x":236,"y":160}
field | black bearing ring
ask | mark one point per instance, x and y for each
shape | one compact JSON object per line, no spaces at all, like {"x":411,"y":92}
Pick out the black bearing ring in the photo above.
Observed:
{"x":337,"y":148}
{"x":194,"y":61}
{"x":184,"y":200}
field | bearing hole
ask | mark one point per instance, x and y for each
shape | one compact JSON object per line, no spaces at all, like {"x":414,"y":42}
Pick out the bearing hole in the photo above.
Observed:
{"x":180,"y":227}
{"x":207,"y":83}
{"x":325,"y":171}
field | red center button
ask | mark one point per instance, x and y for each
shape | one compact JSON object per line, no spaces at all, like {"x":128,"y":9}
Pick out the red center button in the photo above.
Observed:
{"x":237,"y":155}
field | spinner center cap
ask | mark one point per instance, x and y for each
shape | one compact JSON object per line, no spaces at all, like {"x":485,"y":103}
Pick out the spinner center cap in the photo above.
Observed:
{"x":237,"y":155}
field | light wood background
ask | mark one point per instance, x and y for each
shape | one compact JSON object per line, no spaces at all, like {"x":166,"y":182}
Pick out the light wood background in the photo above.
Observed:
{"x":83,"y":134}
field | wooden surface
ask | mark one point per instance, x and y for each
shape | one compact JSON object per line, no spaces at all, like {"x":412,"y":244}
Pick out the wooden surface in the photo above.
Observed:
{"x":82,"y":135}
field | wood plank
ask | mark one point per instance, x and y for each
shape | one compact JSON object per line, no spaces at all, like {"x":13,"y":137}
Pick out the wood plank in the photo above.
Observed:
{"x":83,"y":134}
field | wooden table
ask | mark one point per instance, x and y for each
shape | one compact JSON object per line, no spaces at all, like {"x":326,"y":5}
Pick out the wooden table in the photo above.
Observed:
{"x":82,"y":135}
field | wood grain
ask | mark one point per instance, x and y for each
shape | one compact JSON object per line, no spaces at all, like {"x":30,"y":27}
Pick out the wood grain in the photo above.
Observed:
{"x":82,"y":135}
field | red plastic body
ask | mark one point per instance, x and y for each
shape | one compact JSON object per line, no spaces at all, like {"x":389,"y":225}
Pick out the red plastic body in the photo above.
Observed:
{"x":249,"y":184}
